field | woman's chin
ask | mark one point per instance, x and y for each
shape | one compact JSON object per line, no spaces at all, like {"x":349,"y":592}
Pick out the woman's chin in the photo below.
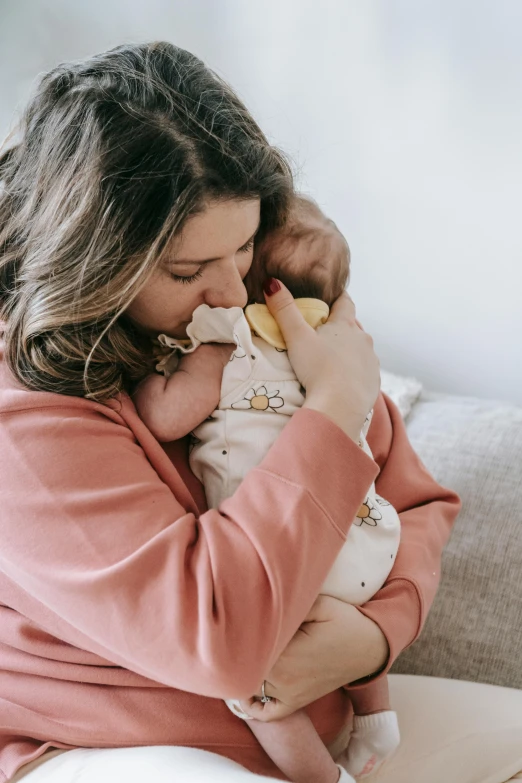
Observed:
{"x":179,"y":332}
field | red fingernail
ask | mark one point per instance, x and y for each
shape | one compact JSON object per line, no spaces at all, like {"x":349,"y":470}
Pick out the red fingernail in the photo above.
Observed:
{"x":271,"y":286}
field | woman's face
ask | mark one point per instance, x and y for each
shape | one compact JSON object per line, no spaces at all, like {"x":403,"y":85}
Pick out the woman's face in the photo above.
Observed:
{"x":206,"y":265}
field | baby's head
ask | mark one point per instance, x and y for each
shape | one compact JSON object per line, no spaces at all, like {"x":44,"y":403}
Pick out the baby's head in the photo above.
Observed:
{"x":308,"y":254}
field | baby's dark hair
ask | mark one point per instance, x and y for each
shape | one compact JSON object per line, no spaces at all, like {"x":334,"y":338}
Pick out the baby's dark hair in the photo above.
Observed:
{"x":308,"y":254}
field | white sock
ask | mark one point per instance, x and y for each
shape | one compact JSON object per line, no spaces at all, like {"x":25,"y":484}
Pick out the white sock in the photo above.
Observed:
{"x":344,"y":777}
{"x":373,"y":740}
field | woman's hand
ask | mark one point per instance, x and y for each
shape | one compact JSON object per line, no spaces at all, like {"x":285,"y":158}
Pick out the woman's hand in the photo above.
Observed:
{"x":335,"y":363}
{"x":336,"y":645}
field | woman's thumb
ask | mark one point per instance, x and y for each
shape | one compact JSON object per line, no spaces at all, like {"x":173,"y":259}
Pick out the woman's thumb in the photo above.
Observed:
{"x":282,"y":307}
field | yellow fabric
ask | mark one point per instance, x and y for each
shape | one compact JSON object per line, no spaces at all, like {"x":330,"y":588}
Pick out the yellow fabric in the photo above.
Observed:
{"x":314,"y":311}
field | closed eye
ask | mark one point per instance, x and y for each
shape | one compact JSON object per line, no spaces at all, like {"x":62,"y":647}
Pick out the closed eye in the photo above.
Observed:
{"x":191,"y":278}
{"x":249,"y":245}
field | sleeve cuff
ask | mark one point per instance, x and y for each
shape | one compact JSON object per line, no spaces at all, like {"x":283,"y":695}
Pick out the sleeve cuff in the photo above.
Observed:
{"x":315,"y":453}
{"x":397,"y":611}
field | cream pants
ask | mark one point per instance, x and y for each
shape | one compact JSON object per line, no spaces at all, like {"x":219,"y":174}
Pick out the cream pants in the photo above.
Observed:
{"x":451,"y":731}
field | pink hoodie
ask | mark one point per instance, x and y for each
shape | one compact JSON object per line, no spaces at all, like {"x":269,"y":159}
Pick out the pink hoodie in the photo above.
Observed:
{"x":128,"y":611}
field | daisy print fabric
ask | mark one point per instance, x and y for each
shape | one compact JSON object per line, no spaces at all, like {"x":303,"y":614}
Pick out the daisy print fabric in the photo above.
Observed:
{"x":259,"y":395}
{"x":260,"y":400}
{"x":368,"y":514}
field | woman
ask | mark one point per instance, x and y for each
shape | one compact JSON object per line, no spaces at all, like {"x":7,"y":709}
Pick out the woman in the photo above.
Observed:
{"x":134,"y":193}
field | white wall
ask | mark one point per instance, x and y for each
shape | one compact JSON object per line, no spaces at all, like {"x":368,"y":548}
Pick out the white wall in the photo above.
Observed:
{"x":404,"y":118}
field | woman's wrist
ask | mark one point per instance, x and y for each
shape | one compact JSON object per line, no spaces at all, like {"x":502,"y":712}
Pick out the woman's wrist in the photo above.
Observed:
{"x":359,"y":641}
{"x":374,"y":650}
{"x":351,"y":423}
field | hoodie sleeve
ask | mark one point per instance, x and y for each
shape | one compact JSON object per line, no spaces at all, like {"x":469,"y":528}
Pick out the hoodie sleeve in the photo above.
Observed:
{"x":105,"y":552}
{"x":427,"y":512}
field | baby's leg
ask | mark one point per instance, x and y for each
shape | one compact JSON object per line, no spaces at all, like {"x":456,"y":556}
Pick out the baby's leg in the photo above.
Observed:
{"x":295,"y":746}
{"x":375,"y":736}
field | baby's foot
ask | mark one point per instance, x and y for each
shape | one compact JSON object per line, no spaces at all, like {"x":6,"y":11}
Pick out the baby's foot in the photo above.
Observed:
{"x":373,"y":740}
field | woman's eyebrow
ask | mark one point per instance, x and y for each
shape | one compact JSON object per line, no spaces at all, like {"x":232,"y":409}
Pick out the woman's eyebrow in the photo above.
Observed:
{"x":209,"y":260}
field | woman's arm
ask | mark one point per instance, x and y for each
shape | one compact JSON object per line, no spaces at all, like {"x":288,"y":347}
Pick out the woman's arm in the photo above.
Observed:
{"x":342,"y":644}
{"x":336,"y":643}
{"x":103,"y":545}
{"x":104,"y":548}
{"x":427,"y":512}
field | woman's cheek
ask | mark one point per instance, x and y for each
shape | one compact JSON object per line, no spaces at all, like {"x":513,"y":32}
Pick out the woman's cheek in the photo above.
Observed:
{"x":245,"y":266}
{"x":254,"y":282}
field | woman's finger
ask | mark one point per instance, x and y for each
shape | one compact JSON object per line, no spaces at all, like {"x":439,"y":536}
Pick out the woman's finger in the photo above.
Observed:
{"x":278,"y":710}
{"x":344,"y":306}
{"x":272,"y":710}
{"x":282,"y":306}
{"x":264,"y":711}
{"x":343,"y":309}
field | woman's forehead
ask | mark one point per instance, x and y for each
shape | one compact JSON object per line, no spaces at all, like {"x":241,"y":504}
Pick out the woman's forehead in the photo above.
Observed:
{"x":220,"y":229}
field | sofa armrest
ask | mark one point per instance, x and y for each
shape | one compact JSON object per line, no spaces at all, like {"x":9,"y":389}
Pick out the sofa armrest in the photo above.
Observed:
{"x":474,"y":630}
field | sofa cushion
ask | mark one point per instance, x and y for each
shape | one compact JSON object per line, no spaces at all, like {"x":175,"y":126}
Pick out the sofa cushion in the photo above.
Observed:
{"x":474,"y":629}
{"x":404,"y":391}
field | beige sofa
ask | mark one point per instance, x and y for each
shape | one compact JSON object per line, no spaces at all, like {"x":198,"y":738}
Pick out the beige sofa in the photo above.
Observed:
{"x":474,"y":446}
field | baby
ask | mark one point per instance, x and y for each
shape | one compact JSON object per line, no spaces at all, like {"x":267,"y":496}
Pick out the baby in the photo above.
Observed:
{"x":231,"y":384}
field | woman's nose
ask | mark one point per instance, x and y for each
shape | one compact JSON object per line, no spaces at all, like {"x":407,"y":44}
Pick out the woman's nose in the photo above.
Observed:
{"x":226,"y":288}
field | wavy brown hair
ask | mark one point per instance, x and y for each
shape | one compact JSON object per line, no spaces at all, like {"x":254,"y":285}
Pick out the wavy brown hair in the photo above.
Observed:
{"x":113,"y":155}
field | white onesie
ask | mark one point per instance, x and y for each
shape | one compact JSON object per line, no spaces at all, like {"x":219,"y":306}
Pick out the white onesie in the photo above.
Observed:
{"x":259,"y":394}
